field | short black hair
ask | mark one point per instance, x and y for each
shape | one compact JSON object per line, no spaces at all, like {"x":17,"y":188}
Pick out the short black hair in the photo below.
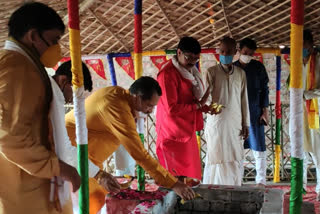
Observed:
{"x":249,"y":43}
{"x":145,"y":87}
{"x":189,"y":45}
{"x":34,"y":15}
{"x":307,"y":36}
{"x":228,"y":40}
{"x":65,"y":69}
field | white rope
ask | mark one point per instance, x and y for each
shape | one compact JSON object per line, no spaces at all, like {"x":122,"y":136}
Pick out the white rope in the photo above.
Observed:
{"x":296,"y":122}
{"x":140,"y":122}
{"x":80,"y":116}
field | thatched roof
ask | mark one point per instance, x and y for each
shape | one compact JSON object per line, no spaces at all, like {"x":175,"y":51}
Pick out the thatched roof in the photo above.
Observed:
{"x":107,"y":25}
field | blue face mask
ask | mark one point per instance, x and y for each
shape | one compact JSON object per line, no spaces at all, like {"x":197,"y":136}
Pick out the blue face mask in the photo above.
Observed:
{"x":226,"y":60}
{"x":305,"y":52}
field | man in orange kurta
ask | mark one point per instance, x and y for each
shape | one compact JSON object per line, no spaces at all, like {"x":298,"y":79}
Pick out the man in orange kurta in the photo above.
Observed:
{"x":111,"y":114}
{"x":26,"y":158}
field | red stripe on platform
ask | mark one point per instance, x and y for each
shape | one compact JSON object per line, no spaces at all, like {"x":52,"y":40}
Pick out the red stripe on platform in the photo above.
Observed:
{"x":297,"y":11}
{"x":73,"y":13}
{"x":138,"y":33}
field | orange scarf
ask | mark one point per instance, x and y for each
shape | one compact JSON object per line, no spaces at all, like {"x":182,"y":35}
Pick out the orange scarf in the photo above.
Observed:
{"x":312,"y":104}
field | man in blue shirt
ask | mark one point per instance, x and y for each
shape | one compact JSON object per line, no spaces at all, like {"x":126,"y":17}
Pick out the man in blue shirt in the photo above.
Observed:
{"x":258,"y":96}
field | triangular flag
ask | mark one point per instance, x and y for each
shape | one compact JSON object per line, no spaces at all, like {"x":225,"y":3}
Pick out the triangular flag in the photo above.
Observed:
{"x":97,"y":66}
{"x":158,"y":60}
{"x":126,"y":63}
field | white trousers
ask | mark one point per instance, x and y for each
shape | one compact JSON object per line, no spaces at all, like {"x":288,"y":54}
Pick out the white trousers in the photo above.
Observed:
{"x":261,"y":166}
{"x":316,"y":162}
{"x":124,"y":163}
{"x":223,"y":174}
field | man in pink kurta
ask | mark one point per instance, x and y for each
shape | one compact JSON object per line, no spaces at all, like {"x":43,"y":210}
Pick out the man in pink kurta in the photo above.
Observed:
{"x":179,"y":112}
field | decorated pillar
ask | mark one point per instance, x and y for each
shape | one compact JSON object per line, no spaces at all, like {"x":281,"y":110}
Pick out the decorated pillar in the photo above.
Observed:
{"x":138,"y":73}
{"x":79,"y":110}
{"x":276,"y":174}
{"x":296,"y":106}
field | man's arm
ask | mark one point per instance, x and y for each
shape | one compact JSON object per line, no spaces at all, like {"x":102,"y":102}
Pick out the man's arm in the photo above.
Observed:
{"x":244,"y":108}
{"x":264,"y":80}
{"x":124,"y":127}
{"x":264,"y":95}
{"x":17,"y":141}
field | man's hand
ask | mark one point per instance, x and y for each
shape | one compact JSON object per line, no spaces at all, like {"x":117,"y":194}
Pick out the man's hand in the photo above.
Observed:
{"x":208,"y":110}
{"x":185,"y":192}
{"x":69,"y":173}
{"x":244,"y":132}
{"x":107,"y":181}
{"x":264,"y":119}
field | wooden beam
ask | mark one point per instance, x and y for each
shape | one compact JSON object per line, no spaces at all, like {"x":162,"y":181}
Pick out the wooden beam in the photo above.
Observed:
{"x":242,"y":18}
{"x":260,"y":15}
{"x":185,"y":14}
{"x":220,"y":20}
{"x":106,"y":25}
{"x":282,"y":33}
{"x":202,"y":12}
{"x":167,"y":18}
{"x":102,"y":43}
{"x":251,"y":13}
{"x":282,"y":39}
{"x":128,"y":13}
{"x":277,"y":21}
{"x":210,"y":17}
{"x":207,"y":19}
{"x":226,"y":18}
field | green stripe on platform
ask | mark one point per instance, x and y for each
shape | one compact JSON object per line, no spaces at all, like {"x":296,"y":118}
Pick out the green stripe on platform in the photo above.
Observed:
{"x":296,"y":185}
{"x":83,"y":170}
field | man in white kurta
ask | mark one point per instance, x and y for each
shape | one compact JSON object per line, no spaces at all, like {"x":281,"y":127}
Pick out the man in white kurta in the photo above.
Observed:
{"x":226,"y":131}
{"x":311,"y":142}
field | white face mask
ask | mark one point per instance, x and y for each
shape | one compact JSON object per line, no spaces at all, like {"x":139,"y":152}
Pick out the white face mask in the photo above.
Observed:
{"x":245,"y":58}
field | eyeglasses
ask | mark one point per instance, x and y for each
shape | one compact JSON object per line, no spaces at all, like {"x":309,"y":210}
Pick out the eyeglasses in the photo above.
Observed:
{"x":190,"y":58}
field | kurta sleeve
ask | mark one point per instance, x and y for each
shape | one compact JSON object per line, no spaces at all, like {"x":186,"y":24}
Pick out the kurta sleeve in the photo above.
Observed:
{"x":264,"y":87}
{"x":169,"y":85}
{"x":18,"y":143}
{"x":124,"y":127}
{"x":244,"y":101}
{"x":208,"y":83}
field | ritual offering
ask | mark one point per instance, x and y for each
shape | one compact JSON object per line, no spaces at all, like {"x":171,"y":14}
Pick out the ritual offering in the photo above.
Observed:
{"x":197,"y":196}
{"x":216,"y":107}
{"x":125,"y":183}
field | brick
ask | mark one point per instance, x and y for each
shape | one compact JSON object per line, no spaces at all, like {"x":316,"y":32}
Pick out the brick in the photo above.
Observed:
{"x":217,"y":206}
{"x":257,"y":196}
{"x":249,"y":208}
{"x":232,"y":207}
{"x":240,"y":196}
{"x":188,"y":205}
{"x":201,"y":205}
{"x":219,"y":194}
